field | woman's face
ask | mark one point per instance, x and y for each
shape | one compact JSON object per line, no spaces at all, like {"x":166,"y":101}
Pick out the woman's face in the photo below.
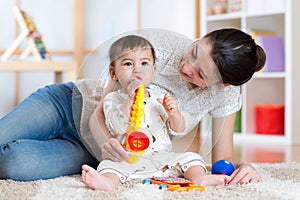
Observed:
{"x":197,"y":66}
{"x":134,"y":64}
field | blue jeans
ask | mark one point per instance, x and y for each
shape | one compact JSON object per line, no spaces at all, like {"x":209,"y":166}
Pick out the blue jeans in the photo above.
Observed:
{"x":39,"y":138}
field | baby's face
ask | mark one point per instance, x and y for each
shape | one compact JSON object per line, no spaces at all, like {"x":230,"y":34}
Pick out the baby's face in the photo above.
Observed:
{"x":135,"y":64}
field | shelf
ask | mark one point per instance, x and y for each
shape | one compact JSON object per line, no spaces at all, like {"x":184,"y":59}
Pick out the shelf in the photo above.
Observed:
{"x":69,"y":67}
{"x":269,"y":75}
{"x":239,"y":15}
{"x":37,"y":65}
{"x":279,"y":17}
{"x":258,"y":138}
{"x":227,"y":16}
{"x":265,"y":14}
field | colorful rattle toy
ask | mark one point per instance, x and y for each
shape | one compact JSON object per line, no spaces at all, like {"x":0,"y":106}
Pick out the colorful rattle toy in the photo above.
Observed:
{"x":173,"y":183}
{"x":222,"y":167}
{"x":137,"y":141}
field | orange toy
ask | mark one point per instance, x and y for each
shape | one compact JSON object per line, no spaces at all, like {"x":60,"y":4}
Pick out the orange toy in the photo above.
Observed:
{"x":173,"y":183}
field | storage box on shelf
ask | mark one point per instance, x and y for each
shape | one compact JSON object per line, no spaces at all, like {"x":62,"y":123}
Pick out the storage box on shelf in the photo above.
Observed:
{"x":277,"y":83}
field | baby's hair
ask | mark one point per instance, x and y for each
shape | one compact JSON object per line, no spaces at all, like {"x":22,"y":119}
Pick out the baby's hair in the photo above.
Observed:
{"x":128,"y":43}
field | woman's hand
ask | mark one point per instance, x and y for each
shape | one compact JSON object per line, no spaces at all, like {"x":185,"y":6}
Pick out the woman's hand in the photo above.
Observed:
{"x":114,"y":151}
{"x":245,"y":173}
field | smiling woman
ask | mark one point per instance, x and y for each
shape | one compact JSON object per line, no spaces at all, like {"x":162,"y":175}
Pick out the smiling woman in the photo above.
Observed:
{"x":198,"y":67}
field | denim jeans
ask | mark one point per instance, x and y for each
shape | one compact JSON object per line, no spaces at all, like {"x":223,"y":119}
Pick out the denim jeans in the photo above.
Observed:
{"x":39,"y":138}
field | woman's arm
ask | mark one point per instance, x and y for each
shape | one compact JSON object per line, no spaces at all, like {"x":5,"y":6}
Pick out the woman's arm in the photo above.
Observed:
{"x":222,"y":139}
{"x":111,"y":148}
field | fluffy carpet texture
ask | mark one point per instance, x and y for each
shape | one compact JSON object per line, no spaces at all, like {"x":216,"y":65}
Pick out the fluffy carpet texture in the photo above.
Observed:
{"x":280,"y":181}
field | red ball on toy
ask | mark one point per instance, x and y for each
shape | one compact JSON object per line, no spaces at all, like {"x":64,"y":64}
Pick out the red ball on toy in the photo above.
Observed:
{"x":138,"y":141}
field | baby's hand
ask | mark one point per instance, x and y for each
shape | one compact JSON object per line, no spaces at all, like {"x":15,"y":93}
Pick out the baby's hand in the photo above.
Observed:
{"x":214,"y":180}
{"x":132,"y":88}
{"x":169,"y":103}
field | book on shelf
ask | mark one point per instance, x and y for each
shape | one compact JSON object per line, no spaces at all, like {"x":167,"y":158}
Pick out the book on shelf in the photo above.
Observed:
{"x":238,"y":122}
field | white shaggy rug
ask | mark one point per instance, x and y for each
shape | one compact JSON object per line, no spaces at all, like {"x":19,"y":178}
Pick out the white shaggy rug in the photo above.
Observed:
{"x":280,"y":181}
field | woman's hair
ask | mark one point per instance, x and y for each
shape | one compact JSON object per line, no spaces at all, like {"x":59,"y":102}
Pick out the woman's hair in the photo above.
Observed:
{"x":127,"y":43}
{"x":236,"y":55}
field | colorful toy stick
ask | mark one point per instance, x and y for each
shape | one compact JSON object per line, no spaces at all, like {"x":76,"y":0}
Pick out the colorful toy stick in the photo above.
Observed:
{"x":37,"y":38}
{"x":173,"y":183}
{"x":222,"y":167}
{"x":137,"y":141}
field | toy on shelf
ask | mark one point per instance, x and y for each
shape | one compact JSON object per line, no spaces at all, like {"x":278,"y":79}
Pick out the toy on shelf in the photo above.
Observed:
{"x":173,"y":183}
{"x":219,"y":7}
{"x":234,"y":6}
{"x":269,"y":119}
{"x":30,"y":33}
{"x":137,"y":141}
{"x":222,"y":167}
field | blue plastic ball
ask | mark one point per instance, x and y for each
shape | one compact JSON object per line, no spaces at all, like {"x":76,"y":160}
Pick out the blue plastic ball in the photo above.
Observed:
{"x":222,"y":167}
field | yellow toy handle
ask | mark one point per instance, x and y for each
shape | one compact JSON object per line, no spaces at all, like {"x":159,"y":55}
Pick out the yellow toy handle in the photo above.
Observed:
{"x":136,"y":119}
{"x":137,"y":110}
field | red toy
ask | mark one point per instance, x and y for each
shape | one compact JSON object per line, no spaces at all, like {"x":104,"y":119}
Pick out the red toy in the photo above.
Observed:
{"x":138,"y":141}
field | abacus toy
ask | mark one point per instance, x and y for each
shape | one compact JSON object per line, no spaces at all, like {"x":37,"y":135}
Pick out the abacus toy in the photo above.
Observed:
{"x":30,"y":33}
{"x":137,"y":141}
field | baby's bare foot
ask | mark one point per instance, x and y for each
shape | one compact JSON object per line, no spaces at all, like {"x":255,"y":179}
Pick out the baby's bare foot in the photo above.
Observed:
{"x":95,"y":180}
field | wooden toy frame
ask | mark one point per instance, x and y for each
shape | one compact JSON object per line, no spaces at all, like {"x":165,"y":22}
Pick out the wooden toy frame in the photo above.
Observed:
{"x":70,"y":68}
{"x":30,"y":33}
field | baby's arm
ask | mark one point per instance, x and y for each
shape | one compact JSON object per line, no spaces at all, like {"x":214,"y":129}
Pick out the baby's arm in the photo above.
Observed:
{"x":177,"y":122}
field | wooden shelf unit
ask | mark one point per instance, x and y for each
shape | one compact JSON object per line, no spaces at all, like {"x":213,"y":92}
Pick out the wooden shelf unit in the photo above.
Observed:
{"x":266,"y":87}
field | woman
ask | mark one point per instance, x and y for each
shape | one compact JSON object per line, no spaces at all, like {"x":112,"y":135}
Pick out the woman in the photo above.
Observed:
{"x":39,"y":139}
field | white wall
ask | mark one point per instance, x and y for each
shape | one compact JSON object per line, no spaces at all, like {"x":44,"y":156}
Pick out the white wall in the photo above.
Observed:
{"x":102,"y":20}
